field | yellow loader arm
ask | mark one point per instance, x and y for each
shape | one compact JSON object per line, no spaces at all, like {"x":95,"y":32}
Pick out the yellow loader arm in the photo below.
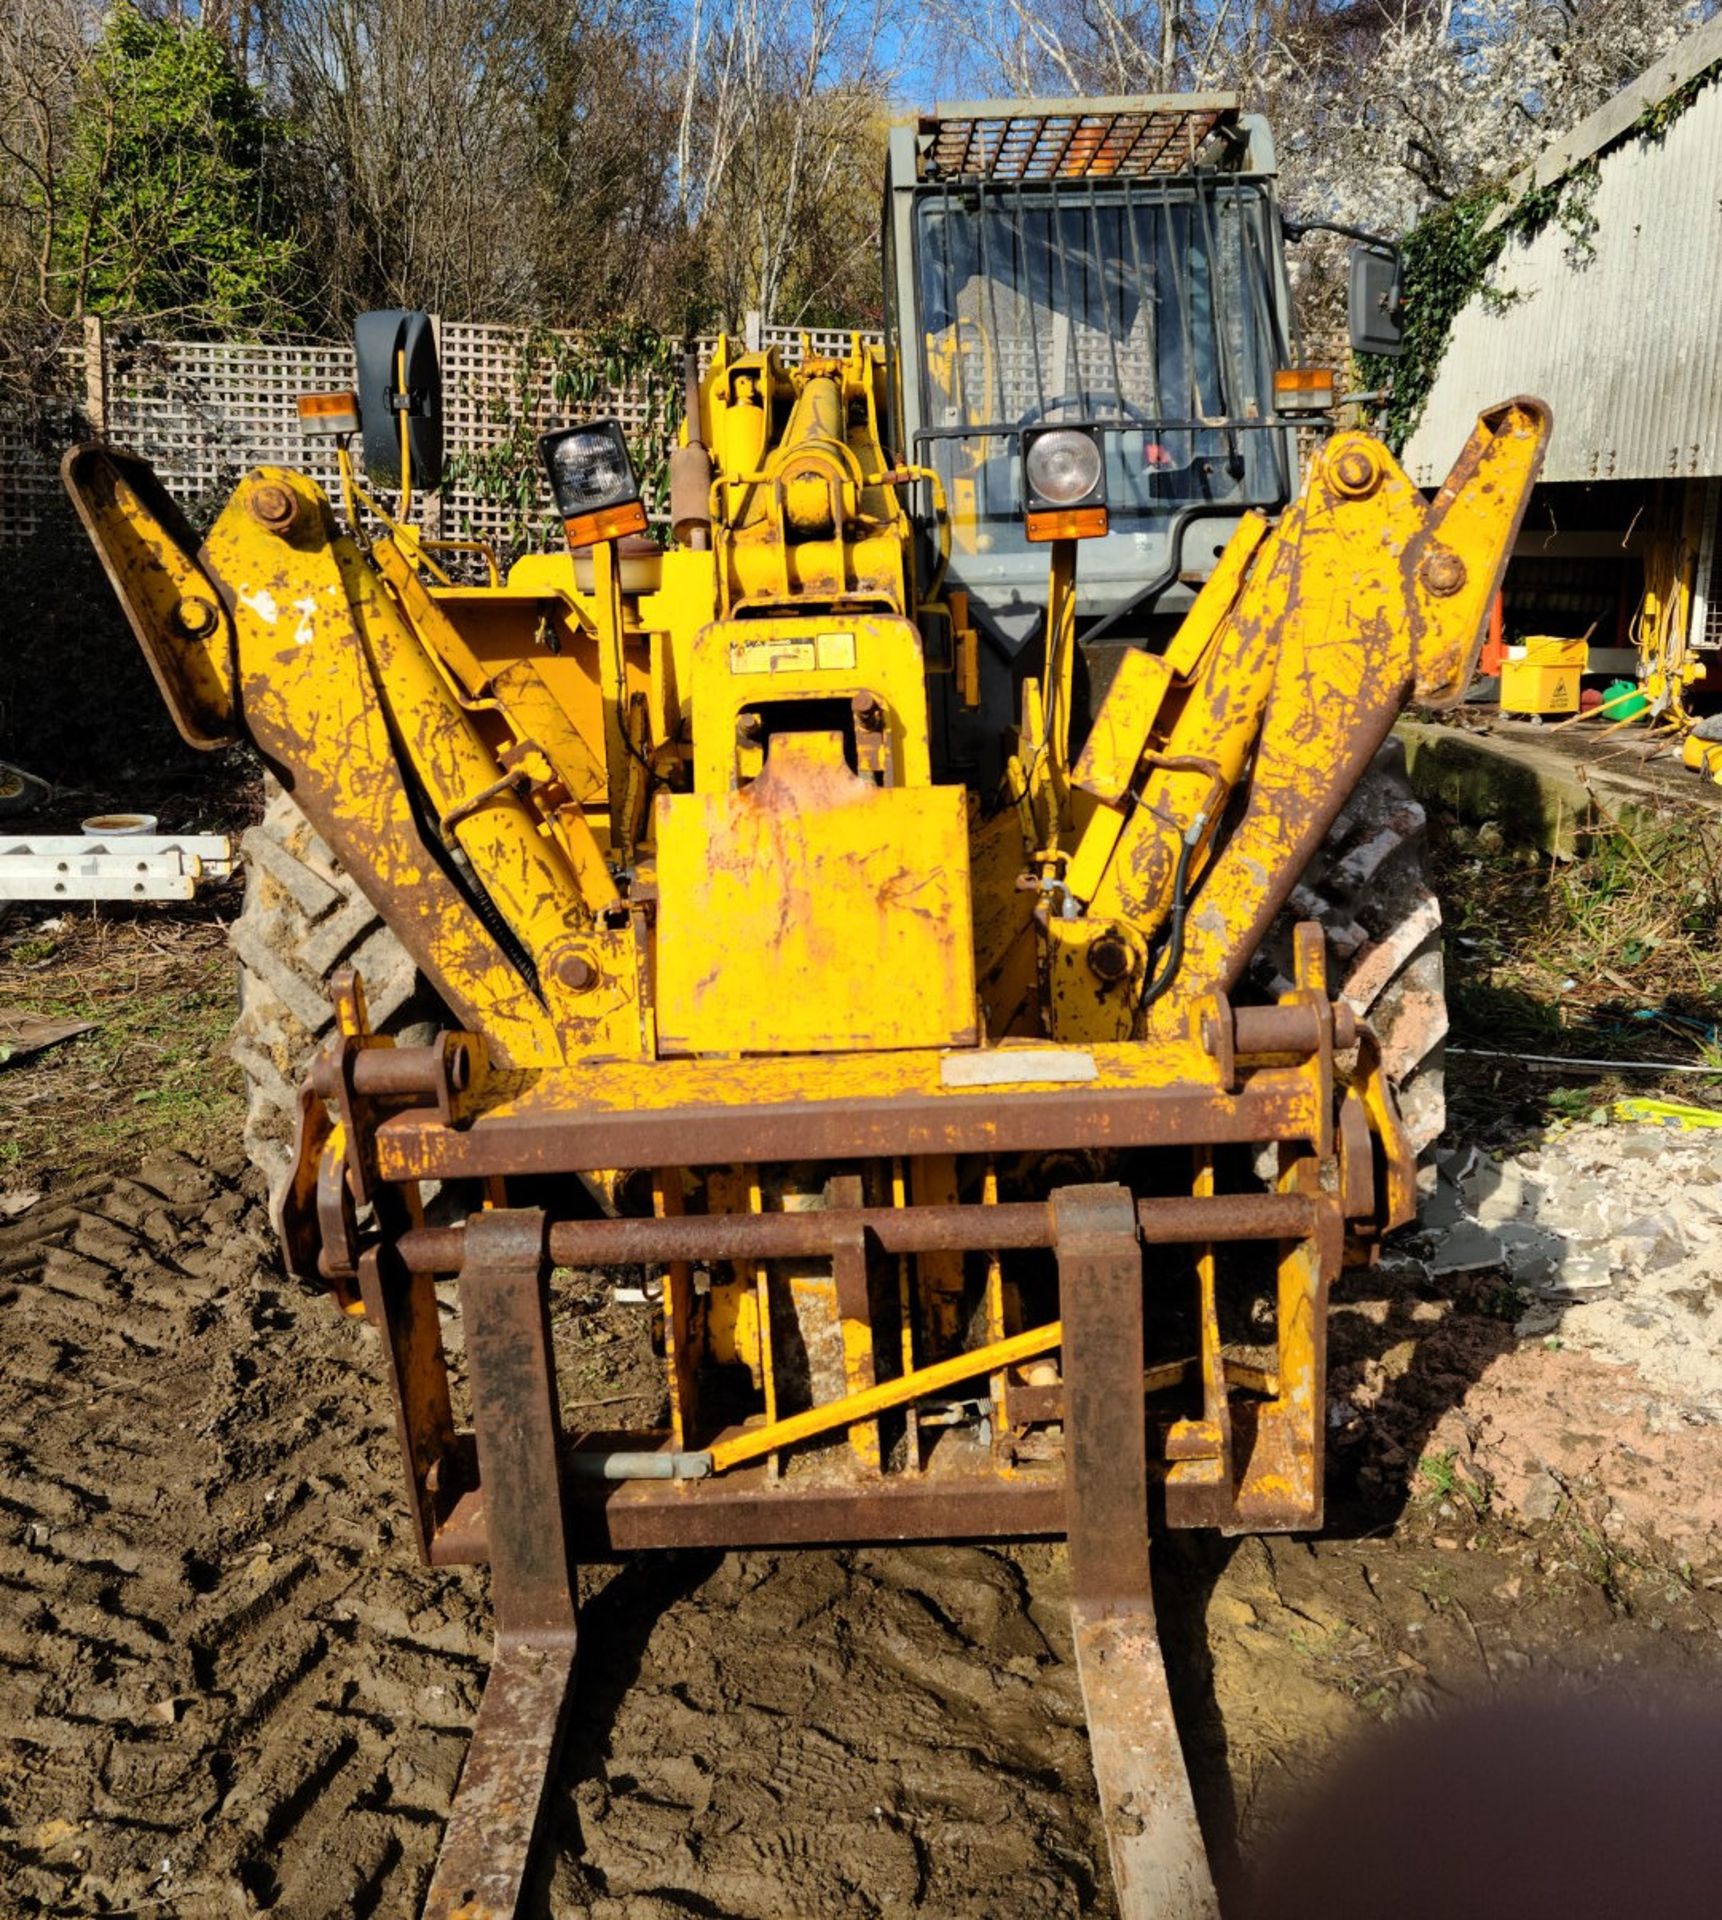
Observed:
{"x":374,"y":712}
{"x":1215,"y":770}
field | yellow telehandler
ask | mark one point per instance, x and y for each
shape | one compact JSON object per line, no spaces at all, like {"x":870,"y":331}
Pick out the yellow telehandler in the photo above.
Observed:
{"x":927,"y":915}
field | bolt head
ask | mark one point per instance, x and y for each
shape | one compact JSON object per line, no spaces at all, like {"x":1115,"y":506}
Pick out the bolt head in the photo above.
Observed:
{"x":195,"y":617}
{"x":1109,"y":958}
{"x":274,"y":506}
{"x":576,"y":972}
{"x":1355,"y":473}
{"x":1443,"y":573}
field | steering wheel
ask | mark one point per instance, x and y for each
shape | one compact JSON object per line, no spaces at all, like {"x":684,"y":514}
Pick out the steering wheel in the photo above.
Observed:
{"x":1128,"y":408}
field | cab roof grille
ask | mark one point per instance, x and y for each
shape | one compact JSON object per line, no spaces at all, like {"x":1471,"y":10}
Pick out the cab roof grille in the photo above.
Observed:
{"x":1036,"y":141}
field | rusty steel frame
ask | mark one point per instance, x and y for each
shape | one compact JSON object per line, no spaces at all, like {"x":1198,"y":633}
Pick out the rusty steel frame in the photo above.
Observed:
{"x":1007,"y":1226}
{"x":1159,"y":1864}
{"x":511,"y":1493}
{"x":483,"y":1867}
{"x":504,"y":1495}
{"x":446,"y":1481}
{"x":1274,"y":1103}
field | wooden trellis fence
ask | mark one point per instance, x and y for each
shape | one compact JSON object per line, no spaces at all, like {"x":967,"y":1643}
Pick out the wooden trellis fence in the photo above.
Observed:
{"x":204,"y":411}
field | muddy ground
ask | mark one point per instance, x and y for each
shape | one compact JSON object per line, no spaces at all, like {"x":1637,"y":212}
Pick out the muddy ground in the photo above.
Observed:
{"x":225,"y":1687}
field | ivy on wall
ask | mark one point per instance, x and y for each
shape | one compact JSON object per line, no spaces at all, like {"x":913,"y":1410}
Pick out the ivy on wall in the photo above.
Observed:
{"x":584,"y":373}
{"x":1446,"y":258}
{"x":1443,"y":261}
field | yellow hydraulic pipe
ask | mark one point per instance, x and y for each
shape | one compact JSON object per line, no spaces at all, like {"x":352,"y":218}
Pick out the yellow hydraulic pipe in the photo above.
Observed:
{"x":889,"y":1393}
{"x":612,"y":677}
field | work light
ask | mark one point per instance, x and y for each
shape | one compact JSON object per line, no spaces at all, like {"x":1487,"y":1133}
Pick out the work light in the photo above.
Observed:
{"x":593,"y":482}
{"x":1064,"y":483}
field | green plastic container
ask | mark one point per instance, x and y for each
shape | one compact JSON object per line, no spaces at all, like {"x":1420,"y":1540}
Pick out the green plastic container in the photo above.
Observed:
{"x":1622,"y":700}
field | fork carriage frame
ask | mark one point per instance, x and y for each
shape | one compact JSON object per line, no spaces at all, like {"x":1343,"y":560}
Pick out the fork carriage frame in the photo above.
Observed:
{"x":517,"y":1493}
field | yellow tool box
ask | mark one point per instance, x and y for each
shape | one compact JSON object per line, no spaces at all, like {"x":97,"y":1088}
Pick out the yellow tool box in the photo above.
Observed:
{"x":1542,"y":675}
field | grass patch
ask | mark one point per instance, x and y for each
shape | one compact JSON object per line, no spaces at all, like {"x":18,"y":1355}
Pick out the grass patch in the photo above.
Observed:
{"x":1616,"y":955}
{"x":153,"y":1073}
{"x":1442,"y":1480}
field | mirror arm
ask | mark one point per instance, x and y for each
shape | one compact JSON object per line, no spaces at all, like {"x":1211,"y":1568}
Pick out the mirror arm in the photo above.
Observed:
{"x":1296,"y":229}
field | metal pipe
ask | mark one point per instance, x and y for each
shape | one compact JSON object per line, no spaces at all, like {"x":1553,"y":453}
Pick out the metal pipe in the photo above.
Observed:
{"x":1295,"y":1029}
{"x":584,"y":1464}
{"x":691,"y":466}
{"x":1174,"y":1221}
{"x":752,"y":1443}
{"x":426,"y":1075}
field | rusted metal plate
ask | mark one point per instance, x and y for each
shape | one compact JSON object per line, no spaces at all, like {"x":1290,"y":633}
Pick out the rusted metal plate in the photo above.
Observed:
{"x":482,"y":1870}
{"x":747,"y":1508}
{"x":1159,"y":1864}
{"x":401,"y":1305}
{"x":511,"y":1377}
{"x":1273,"y":1104}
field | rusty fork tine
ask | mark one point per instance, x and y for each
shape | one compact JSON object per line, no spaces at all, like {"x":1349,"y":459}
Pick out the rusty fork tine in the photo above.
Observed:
{"x":1159,"y":1865}
{"x":483,"y":1870}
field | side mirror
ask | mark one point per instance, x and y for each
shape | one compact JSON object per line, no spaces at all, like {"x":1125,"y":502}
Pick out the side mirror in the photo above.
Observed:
{"x":1376,"y":302}
{"x":398,"y":375}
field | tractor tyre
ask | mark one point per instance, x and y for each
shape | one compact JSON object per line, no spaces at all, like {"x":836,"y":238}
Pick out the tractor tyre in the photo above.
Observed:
{"x":1369,"y":889}
{"x":303,"y":919}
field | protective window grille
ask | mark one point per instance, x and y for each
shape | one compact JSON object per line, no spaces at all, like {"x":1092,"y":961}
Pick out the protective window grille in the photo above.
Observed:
{"x":205,"y":412}
{"x":1133,"y":139}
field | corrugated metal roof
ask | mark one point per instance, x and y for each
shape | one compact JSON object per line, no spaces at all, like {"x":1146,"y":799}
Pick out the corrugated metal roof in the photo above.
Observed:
{"x":1624,"y":343}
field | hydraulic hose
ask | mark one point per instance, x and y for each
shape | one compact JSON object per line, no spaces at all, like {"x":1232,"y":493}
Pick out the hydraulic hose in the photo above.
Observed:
{"x":1172,"y":954}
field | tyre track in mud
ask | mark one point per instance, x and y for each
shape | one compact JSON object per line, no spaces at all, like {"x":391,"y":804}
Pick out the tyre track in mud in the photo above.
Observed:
{"x":227,"y":1687}
{"x":224,"y":1685}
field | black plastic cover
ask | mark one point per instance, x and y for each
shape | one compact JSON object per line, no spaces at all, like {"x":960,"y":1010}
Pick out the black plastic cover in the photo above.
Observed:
{"x":1376,"y":302}
{"x":379,"y":339}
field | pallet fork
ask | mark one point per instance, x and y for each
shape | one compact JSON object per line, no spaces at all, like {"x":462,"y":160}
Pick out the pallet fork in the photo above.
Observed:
{"x":483,"y":1872}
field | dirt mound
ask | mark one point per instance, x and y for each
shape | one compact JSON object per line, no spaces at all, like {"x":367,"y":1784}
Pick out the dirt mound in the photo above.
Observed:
{"x":1547,"y":1432}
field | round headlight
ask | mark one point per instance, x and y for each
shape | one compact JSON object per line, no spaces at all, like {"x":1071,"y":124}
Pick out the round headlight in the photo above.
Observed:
{"x":1063,"y":468}
{"x":589,"y":468}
